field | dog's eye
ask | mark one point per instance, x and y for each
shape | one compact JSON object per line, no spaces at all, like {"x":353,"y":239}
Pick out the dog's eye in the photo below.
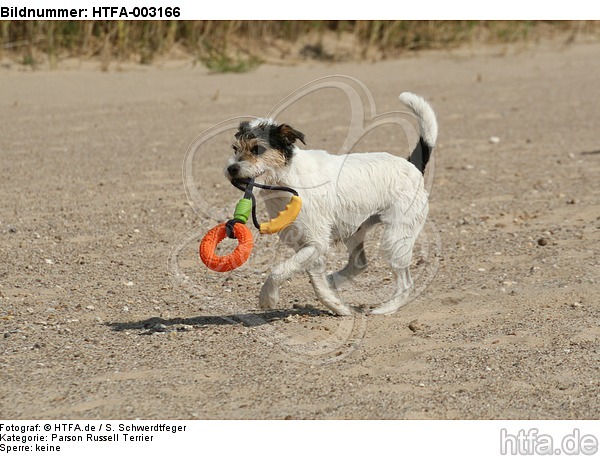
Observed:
{"x":258,"y":149}
{"x":234,"y":147}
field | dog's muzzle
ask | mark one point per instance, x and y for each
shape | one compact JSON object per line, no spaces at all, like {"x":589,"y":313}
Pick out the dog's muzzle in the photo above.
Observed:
{"x":233,"y":170}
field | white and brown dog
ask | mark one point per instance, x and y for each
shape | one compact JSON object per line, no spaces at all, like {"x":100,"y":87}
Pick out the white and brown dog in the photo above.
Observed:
{"x":342,"y":197}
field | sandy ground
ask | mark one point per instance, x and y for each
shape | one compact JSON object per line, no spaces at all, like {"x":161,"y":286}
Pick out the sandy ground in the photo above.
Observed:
{"x":106,"y":312}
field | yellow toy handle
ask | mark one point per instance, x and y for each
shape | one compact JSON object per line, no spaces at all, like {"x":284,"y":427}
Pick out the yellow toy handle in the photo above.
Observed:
{"x":284,"y":219}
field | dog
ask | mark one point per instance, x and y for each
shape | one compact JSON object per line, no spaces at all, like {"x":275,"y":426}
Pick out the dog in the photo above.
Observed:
{"x":343,"y":196}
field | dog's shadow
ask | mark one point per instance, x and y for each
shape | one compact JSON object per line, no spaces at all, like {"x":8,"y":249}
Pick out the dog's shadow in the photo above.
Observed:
{"x":158,"y":324}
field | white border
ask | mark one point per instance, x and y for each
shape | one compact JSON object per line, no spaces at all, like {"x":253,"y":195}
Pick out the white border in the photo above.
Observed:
{"x":366,"y":10}
{"x":346,"y":438}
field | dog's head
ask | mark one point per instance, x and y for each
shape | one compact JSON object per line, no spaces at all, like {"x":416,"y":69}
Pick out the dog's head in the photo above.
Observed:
{"x":261,"y":148}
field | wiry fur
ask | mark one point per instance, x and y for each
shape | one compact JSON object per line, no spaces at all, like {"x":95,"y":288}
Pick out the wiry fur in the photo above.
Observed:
{"x":342,"y":197}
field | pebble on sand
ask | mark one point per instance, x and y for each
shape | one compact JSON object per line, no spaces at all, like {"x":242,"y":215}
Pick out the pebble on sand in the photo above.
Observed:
{"x":416,"y":326}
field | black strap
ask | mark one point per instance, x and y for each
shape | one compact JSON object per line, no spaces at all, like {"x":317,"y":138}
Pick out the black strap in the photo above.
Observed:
{"x":237,"y":182}
{"x":246,"y":185}
{"x":229,"y":227}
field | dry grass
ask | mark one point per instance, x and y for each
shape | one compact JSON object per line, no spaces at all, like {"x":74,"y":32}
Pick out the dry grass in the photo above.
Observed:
{"x":236,"y":45}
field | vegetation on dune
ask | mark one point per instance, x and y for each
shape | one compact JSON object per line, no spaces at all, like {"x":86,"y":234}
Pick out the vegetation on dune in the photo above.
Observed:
{"x":238,"y":46}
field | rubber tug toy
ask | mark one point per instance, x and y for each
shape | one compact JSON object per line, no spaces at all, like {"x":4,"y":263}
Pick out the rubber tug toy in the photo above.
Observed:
{"x":236,"y":227}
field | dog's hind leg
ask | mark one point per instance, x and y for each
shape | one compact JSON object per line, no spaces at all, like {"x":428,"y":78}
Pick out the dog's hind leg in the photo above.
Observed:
{"x":398,"y":242}
{"x":401,"y":293}
{"x":357,"y":259}
{"x":326,"y":295}
{"x":403,"y":222}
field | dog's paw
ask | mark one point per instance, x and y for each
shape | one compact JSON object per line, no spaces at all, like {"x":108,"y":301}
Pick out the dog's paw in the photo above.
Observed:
{"x":341,"y":310}
{"x":269,"y":295}
{"x":383,"y":311}
{"x":338,"y":308}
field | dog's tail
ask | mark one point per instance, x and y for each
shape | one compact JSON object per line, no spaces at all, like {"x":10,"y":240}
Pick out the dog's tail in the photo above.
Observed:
{"x":428,"y":129}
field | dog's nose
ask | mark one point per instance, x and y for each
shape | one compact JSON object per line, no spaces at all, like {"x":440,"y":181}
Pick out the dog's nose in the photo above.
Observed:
{"x":233,"y":169}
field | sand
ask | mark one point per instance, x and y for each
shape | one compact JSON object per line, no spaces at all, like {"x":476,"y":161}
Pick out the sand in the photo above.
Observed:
{"x":106,"y":311}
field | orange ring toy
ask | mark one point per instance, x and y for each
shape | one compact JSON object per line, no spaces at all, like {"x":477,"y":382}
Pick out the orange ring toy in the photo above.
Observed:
{"x":228,"y":262}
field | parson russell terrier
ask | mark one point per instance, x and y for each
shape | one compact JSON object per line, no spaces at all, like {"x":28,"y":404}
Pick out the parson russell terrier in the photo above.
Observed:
{"x":342,"y":197}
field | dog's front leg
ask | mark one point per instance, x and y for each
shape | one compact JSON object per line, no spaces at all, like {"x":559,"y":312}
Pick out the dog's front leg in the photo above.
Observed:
{"x":301,"y":260}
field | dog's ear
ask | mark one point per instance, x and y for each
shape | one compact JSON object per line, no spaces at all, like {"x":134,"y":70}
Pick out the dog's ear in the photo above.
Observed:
{"x":290,"y":134}
{"x":244,"y":127}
